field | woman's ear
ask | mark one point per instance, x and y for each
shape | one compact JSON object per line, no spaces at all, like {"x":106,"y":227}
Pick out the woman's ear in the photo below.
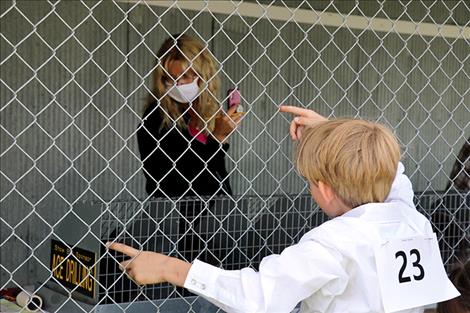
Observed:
{"x":326,"y":191}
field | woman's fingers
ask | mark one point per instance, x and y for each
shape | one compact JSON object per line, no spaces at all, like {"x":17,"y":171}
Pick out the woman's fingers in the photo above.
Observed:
{"x":233,"y":109}
{"x":225,"y":123}
{"x":233,"y":119}
{"x":237,"y":117}
{"x":237,"y":120}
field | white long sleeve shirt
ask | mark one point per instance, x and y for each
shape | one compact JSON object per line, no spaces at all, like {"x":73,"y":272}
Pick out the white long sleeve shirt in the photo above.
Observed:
{"x":331,"y":269}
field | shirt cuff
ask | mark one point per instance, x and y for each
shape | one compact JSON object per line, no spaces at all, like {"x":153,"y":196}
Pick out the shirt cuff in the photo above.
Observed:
{"x":202,"y":278}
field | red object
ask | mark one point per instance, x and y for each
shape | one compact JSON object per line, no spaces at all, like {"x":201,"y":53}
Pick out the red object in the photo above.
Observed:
{"x":200,"y":136}
{"x":10,"y":293}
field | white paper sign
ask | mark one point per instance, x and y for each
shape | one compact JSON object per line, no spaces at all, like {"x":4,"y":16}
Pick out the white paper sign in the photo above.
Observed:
{"x":411,"y":273}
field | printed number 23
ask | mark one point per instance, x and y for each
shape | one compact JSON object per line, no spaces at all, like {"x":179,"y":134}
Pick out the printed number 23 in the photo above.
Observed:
{"x":405,"y":279}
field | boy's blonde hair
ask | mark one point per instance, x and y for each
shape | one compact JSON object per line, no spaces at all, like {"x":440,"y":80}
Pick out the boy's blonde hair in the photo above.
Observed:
{"x":358,"y":159}
{"x":195,"y":55}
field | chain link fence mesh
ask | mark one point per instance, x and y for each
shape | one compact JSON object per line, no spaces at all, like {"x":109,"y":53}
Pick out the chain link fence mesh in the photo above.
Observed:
{"x":74,"y":79}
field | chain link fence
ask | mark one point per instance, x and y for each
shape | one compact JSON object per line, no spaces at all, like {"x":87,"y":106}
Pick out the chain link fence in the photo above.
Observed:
{"x":75,"y":76}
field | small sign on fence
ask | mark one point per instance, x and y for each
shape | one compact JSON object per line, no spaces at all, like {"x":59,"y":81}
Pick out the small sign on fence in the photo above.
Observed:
{"x":75,"y":270}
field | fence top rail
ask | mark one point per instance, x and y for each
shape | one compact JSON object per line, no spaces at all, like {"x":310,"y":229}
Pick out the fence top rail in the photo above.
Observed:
{"x":306,"y":16}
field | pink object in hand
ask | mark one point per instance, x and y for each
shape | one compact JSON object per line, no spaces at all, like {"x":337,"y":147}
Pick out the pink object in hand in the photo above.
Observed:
{"x":200,"y":136}
{"x":234,"y":97}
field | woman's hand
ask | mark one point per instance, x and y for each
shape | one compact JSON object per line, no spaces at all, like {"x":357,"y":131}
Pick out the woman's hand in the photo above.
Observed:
{"x":303,"y":117}
{"x":225,"y":123}
{"x":146,"y":267}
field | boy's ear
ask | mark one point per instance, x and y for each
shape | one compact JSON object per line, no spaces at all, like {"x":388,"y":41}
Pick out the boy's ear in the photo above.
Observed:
{"x":326,"y":191}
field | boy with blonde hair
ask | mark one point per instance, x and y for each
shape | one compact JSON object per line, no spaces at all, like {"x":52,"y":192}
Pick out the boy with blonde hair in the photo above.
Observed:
{"x":376,"y":254}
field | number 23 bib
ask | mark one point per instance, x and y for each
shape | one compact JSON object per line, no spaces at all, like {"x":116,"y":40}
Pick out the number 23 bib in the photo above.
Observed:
{"x":411,"y":273}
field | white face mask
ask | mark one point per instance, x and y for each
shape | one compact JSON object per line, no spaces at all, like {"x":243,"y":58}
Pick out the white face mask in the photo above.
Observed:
{"x":184,"y":93}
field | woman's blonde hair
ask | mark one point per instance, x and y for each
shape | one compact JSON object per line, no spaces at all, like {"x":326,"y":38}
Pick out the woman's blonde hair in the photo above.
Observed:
{"x":358,"y":159}
{"x":192,"y":54}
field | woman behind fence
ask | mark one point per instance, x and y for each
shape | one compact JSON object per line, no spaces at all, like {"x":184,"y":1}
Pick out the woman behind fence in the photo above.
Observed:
{"x":182,"y":139}
{"x":183,"y":135}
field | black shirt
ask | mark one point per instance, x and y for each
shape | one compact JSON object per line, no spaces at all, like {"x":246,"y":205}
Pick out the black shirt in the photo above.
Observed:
{"x":176,"y":164}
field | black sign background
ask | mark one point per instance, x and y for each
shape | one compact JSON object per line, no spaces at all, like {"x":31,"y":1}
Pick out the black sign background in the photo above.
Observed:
{"x":75,"y":271}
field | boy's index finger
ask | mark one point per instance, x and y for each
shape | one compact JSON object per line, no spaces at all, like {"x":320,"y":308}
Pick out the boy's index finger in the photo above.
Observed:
{"x":306,"y":113}
{"x":294,"y":110}
{"x":125,"y":249}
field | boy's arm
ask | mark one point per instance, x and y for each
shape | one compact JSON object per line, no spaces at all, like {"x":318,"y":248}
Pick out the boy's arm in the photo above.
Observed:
{"x":281,"y":283}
